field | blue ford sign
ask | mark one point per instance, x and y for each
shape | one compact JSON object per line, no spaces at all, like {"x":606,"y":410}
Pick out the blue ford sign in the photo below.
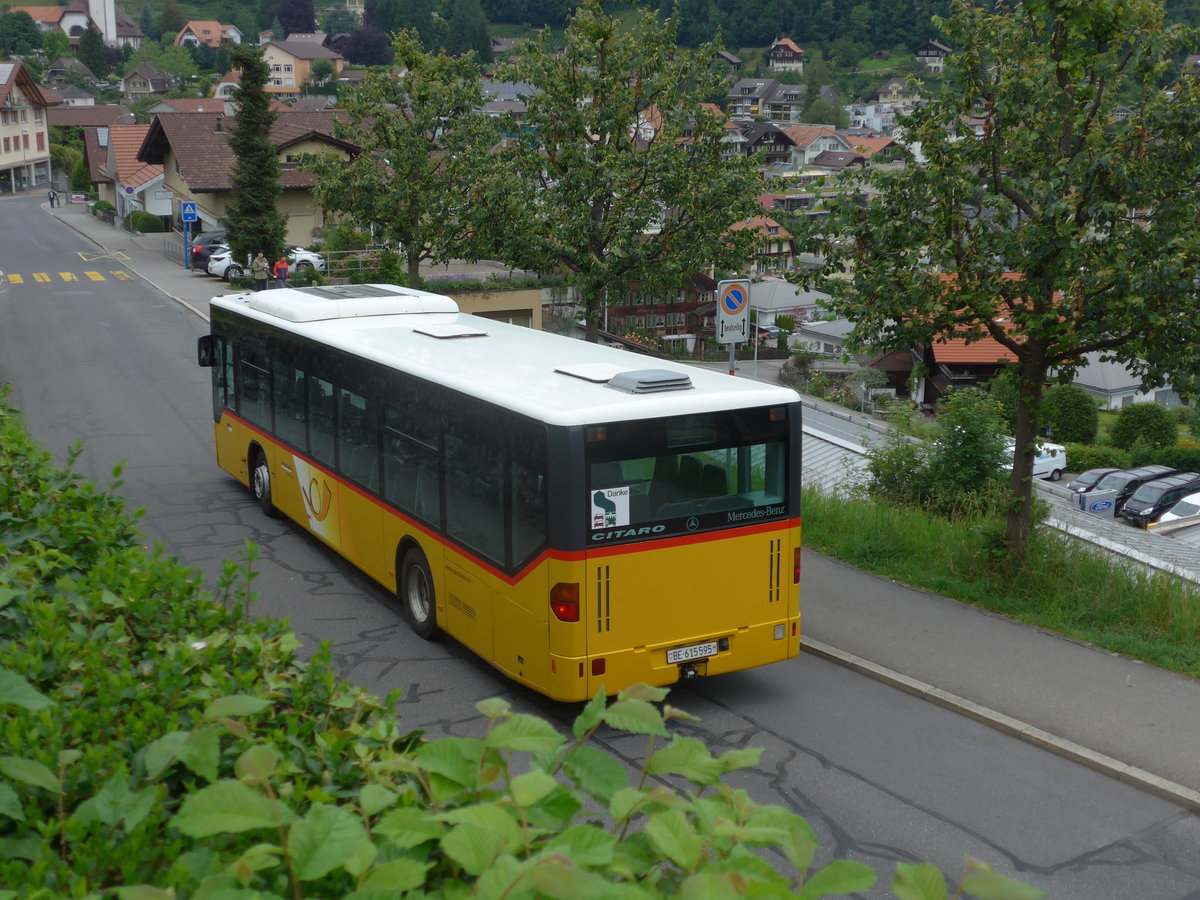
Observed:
{"x":1100,"y":506}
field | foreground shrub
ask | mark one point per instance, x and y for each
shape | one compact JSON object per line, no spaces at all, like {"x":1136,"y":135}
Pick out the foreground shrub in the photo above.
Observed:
{"x":155,"y":744}
{"x":1146,"y":423}
{"x":1071,"y":414}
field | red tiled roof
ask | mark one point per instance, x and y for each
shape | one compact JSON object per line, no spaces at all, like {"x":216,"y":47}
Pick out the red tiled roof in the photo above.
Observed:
{"x":804,"y":135}
{"x":124,"y":141}
{"x":789,"y":44}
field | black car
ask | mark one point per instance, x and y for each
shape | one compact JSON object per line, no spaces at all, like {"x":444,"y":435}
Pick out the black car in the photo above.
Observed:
{"x":1155,"y":497}
{"x":1125,"y":482}
{"x":202,"y":248}
{"x":1089,"y":479}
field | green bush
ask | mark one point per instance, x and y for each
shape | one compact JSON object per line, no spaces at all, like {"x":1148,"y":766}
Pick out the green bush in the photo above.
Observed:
{"x":1081,"y":457}
{"x":156,"y":742}
{"x":1071,"y":414}
{"x":145,"y":222}
{"x":103,"y":206}
{"x":1148,"y":423}
{"x":1184,"y":456}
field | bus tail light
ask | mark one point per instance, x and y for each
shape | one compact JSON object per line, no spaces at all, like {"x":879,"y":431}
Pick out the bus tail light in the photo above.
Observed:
{"x":564,"y":601}
{"x":796,"y":566}
{"x":598,"y":666}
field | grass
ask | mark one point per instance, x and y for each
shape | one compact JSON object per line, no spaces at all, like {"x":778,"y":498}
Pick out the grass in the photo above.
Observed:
{"x":1064,"y":585}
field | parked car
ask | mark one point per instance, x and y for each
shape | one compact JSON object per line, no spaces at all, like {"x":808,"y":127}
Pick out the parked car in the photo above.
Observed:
{"x":202,"y":247}
{"x":1126,"y":481}
{"x":304,"y":259}
{"x":1187,"y":508}
{"x":221,"y":264}
{"x":1049,"y":461}
{"x":1087,"y":480}
{"x":1155,"y":497}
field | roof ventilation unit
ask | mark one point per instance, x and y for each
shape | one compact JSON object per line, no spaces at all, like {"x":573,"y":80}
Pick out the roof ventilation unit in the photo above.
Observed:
{"x":649,"y":381}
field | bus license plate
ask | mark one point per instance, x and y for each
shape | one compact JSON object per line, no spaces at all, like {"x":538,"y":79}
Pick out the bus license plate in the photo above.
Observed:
{"x":696,"y":651}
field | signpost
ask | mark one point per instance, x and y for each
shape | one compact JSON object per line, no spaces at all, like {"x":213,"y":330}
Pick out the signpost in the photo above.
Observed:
{"x":187,"y":212}
{"x":733,"y":315}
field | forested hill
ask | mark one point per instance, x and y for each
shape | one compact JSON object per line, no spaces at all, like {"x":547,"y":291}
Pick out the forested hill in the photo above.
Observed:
{"x":873,"y":24}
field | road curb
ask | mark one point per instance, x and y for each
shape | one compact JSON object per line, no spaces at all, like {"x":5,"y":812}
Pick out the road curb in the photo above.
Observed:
{"x":1023,"y":731}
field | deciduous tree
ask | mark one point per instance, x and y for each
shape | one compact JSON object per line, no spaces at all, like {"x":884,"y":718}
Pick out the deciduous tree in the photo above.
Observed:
{"x":422,"y":145}
{"x":620,"y":180}
{"x":252,"y":217}
{"x":1053,"y":209}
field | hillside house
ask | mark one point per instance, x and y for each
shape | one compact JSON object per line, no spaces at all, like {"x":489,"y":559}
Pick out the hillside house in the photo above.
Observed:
{"x":24,"y":124}
{"x":208,"y":33}
{"x":933,"y":55}
{"x":787,"y":56}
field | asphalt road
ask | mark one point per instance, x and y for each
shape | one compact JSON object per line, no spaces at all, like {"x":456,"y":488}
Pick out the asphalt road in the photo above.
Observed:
{"x":882,"y":776}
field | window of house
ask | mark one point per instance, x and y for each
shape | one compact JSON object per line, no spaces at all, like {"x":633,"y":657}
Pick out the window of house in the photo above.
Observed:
{"x":287,"y":67}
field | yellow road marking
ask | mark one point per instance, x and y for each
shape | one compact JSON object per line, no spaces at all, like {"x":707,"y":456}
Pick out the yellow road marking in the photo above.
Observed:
{"x":68,"y":276}
{"x":92,"y":257}
{"x":119,"y":274}
{"x":43,"y":277}
{"x":94,"y":276}
{"x":15,"y":279}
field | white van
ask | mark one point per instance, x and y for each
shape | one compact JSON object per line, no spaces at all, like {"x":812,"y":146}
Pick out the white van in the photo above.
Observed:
{"x":1050,"y":460}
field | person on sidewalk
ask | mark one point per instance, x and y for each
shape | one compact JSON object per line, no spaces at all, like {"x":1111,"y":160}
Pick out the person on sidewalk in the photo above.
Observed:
{"x":281,"y":272}
{"x":51,"y":196}
{"x":261,"y":270}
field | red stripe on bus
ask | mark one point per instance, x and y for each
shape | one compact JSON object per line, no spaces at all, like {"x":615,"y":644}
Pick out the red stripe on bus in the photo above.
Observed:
{"x":593,"y":551}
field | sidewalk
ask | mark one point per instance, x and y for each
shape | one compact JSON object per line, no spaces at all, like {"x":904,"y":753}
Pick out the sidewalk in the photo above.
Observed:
{"x":1125,"y":718}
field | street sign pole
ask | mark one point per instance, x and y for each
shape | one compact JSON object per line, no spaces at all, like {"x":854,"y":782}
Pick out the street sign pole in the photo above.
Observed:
{"x":187,"y":212}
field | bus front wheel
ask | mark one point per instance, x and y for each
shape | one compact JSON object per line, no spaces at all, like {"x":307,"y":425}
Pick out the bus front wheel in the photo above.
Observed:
{"x":416,"y":594}
{"x":260,"y":483}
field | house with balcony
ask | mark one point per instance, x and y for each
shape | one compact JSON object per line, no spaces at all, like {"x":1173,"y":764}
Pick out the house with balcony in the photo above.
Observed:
{"x":24,"y":141}
{"x":769,"y":140}
{"x":290,"y":64}
{"x":776,"y":251}
{"x":787,"y":56}
{"x":146,"y":80}
{"x":810,"y":140}
{"x":933,"y":55}
{"x":208,"y":33}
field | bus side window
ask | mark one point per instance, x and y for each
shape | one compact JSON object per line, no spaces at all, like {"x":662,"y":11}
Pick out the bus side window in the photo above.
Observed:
{"x":290,"y":415}
{"x":322,"y":427}
{"x":528,"y":512}
{"x":358,"y":442}
{"x":475,"y":493}
{"x":254,"y":386}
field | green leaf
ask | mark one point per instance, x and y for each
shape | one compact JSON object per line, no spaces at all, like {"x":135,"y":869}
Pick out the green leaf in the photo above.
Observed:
{"x":674,"y":837}
{"x":200,"y":752}
{"x":161,"y":753}
{"x":556,"y":876}
{"x":28,"y":771}
{"x":588,"y":845}
{"x":712,"y":886}
{"x":525,"y":733}
{"x":16,"y":691}
{"x":456,"y":758}
{"x":918,"y":882}
{"x":10,"y":804}
{"x":409,"y":827}
{"x":842,"y":876}
{"x":115,"y":804}
{"x":229,"y":807}
{"x":494,"y":708}
{"x":474,"y":848}
{"x":596,"y":772}
{"x":489,"y":817}
{"x":591,"y":716}
{"x":323,"y":840}
{"x":235,"y":705}
{"x":530,"y":787}
{"x":688,"y":757}
{"x":257,"y":764}
{"x":994,"y":886}
{"x":374,"y":798}
{"x":635,"y":716}
{"x":396,"y":875}
{"x":741,"y":759}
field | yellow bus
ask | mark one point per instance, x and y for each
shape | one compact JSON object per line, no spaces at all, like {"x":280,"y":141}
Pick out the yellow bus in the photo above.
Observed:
{"x":577,"y":515}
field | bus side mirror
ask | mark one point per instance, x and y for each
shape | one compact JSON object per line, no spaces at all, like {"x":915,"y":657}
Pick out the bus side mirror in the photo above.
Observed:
{"x":204,"y":351}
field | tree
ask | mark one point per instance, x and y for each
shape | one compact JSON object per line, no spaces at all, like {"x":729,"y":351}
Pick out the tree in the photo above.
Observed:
{"x":252,"y":217}
{"x":55,"y":44}
{"x":149,"y":25}
{"x":619,"y":180}
{"x":1146,"y":423}
{"x":19,"y":33}
{"x":322,"y":72}
{"x":297,"y":16}
{"x":1071,"y":414}
{"x":368,"y":46}
{"x":338,"y":20}
{"x":421,"y":149}
{"x":1056,"y":227}
{"x":91,"y":51}
{"x":173,"y":60}
{"x":171,"y":19}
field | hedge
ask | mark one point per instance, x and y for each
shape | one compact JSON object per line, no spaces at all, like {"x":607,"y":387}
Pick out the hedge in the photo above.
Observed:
{"x":157,"y":743}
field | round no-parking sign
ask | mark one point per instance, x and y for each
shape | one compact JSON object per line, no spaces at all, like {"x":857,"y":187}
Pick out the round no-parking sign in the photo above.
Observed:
{"x":733,"y":311}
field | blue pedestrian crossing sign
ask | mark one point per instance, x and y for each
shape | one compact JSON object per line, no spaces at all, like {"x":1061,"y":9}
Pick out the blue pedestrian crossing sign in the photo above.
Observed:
{"x":187,"y":211}
{"x":733,"y":311}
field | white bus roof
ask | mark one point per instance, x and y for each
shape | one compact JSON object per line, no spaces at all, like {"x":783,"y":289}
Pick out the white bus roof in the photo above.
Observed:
{"x":548,"y":377}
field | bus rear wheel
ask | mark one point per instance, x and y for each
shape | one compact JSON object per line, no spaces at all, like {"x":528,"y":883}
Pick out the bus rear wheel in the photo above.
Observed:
{"x":416,"y":594}
{"x":260,"y":483}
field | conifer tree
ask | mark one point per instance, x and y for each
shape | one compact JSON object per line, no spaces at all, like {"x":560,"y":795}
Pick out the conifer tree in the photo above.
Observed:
{"x":253,"y":220}
{"x":91,"y":51}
